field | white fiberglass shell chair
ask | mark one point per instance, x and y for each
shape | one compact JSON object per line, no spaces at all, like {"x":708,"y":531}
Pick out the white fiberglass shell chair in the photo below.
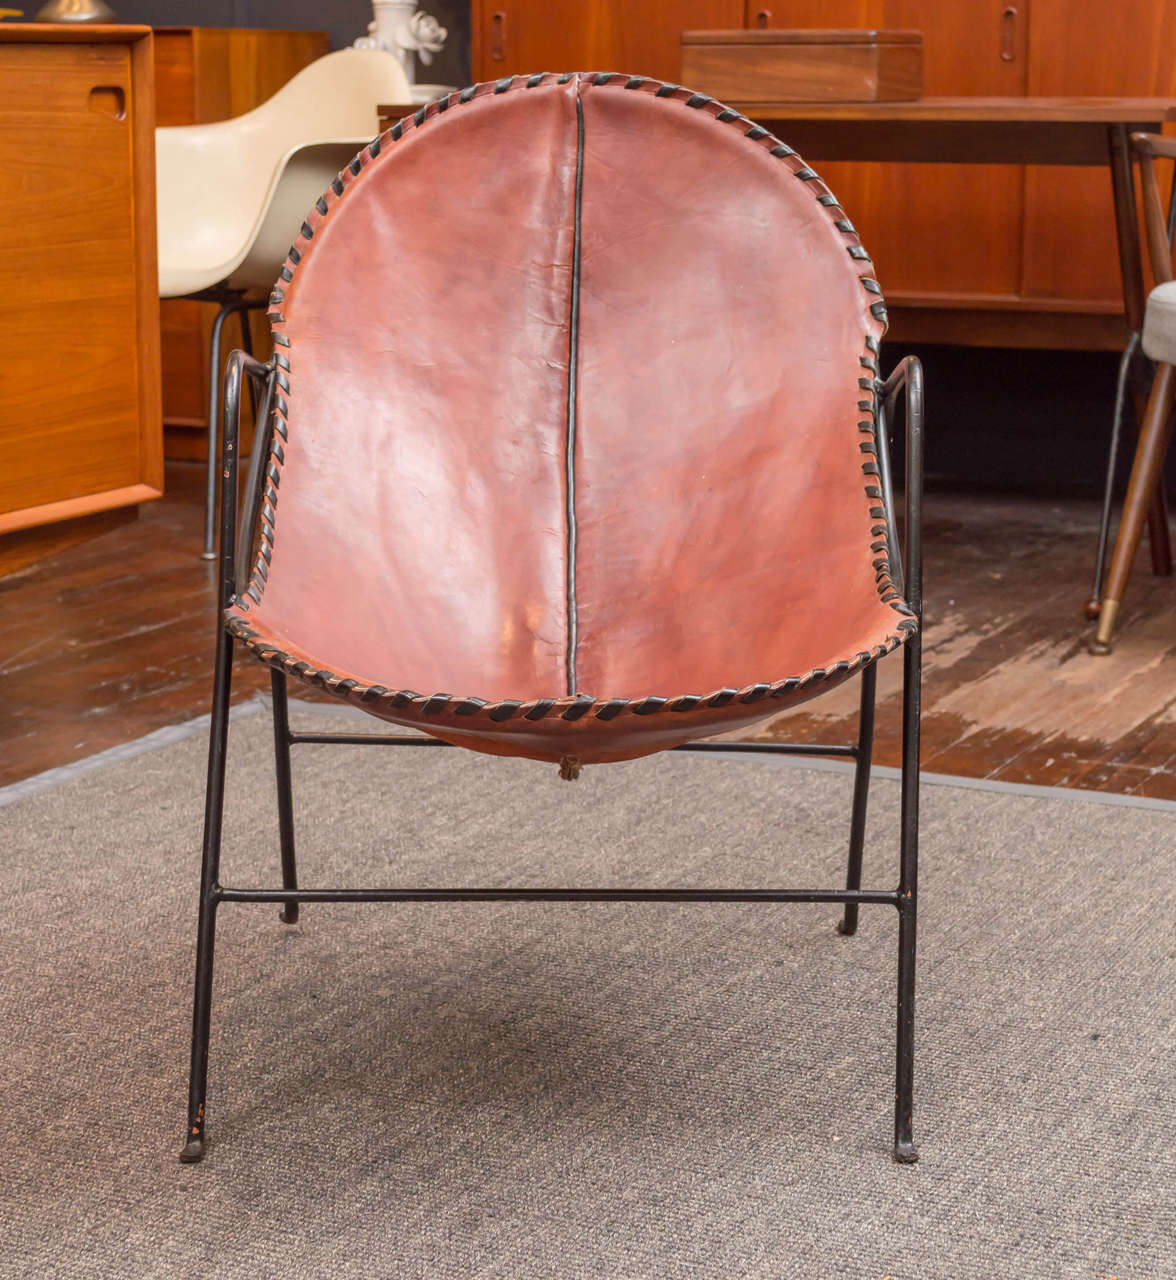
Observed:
{"x":231,"y":195}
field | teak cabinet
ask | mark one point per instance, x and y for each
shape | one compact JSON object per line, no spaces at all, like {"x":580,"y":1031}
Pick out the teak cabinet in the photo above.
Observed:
{"x":79,"y":379}
{"x":1015,"y":255}
{"x":204,"y":74}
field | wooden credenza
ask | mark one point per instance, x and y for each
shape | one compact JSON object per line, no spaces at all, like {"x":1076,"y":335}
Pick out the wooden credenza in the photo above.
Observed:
{"x":79,"y":380}
{"x":992,"y":255}
{"x":203,"y":74}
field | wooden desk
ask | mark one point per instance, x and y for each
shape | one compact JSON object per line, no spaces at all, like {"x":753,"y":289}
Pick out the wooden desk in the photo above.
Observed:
{"x":79,"y":393}
{"x":1053,"y":131}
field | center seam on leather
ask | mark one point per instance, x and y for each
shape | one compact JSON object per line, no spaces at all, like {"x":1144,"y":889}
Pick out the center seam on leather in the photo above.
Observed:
{"x":570,"y":448}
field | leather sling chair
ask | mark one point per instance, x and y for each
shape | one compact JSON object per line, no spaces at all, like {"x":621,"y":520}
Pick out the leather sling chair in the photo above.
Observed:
{"x":575,"y":450}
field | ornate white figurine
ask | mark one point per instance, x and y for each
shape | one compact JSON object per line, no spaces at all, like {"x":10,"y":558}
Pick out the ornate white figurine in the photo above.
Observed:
{"x":403,"y":29}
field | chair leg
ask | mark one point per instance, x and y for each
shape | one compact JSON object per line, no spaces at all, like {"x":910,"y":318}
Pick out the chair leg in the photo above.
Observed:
{"x":212,"y":474}
{"x":289,"y":912}
{"x":1154,"y":436}
{"x":861,"y":792}
{"x":1125,"y":363}
{"x":193,"y":1150}
{"x":1158,"y":536}
{"x":904,"y":1144}
{"x":247,"y":346}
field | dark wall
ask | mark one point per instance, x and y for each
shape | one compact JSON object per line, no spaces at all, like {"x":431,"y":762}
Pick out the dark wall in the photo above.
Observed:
{"x":343,"y":20}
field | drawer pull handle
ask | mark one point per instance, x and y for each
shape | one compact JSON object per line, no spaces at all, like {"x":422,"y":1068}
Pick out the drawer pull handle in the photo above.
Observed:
{"x":1008,"y":34}
{"x":109,"y":100}
{"x":498,"y":35}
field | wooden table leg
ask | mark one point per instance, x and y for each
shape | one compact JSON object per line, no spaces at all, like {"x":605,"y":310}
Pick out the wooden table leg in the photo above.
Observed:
{"x":1158,"y":535}
{"x":1127,"y":225}
{"x":1154,"y":435}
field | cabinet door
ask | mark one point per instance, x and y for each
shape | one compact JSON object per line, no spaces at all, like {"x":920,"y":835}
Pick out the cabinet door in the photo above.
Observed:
{"x":855,"y":185}
{"x":79,"y":429}
{"x":1080,"y":48}
{"x":954,"y":229}
{"x":640,"y":37}
{"x":937,"y":232}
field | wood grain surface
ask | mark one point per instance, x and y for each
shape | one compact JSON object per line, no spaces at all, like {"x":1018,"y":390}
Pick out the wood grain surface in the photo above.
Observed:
{"x":110,"y":641}
{"x":80,"y":431}
{"x":1035,"y":245}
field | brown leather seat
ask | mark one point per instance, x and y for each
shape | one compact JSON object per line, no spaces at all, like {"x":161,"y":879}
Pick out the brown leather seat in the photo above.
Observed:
{"x":575,"y":449}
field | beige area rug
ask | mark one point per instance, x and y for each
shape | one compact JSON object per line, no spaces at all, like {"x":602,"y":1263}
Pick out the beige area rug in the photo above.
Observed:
{"x":581,"y":1090}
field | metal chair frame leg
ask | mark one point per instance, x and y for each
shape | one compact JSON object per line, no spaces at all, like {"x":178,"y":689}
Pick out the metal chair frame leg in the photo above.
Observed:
{"x":231,"y":302}
{"x":289,"y":912}
{"x":906,"y":380}
{"x":210,"y":890}
{"x":861,"y":794}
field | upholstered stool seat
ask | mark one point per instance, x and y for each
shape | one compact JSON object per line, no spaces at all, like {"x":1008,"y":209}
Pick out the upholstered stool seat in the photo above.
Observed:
{"x":1159,"y":323}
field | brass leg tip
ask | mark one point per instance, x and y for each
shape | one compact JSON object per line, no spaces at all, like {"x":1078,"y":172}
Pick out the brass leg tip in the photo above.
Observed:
{"x":1100,"y":646}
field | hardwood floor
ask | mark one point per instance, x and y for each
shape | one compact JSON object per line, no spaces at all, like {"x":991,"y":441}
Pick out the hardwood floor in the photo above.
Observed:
{"x":112,"y":639}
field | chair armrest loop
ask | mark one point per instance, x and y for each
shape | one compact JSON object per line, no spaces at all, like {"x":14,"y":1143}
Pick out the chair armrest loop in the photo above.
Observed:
{"x":233,"y":578}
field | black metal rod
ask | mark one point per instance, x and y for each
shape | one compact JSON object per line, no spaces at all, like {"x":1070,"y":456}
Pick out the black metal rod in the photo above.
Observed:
{"x":885,"y":404}
{"x":861,"y":794}
{"x":366,"y":740}
{"x":763,"y":748}
{"x":285,"y":793}
{"x":904,"y":1146}
{"x":247,"y":346}
{"x":230,"y":303}
{"x":248,"y":525}
{"x":772,"y":748}
{"x":214,"y":391}
{"x":193,"y":1149}
{"x":887,"y":897}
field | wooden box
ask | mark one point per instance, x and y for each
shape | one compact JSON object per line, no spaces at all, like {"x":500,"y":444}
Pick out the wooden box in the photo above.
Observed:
{"x":804,"y":66}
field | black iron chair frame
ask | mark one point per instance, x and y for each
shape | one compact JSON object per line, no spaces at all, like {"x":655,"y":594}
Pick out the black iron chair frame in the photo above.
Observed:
{"x":907,"y":568}
{"x":230,"y":301}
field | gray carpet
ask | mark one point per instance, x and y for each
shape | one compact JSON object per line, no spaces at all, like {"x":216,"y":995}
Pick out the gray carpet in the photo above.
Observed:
{"x":581,"y":1090}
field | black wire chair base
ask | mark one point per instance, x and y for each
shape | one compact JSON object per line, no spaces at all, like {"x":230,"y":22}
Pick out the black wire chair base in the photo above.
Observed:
{"x":907,"y":377}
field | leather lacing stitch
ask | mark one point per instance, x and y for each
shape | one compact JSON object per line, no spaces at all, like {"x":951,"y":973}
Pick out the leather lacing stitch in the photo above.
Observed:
{"x":574,"y":707}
